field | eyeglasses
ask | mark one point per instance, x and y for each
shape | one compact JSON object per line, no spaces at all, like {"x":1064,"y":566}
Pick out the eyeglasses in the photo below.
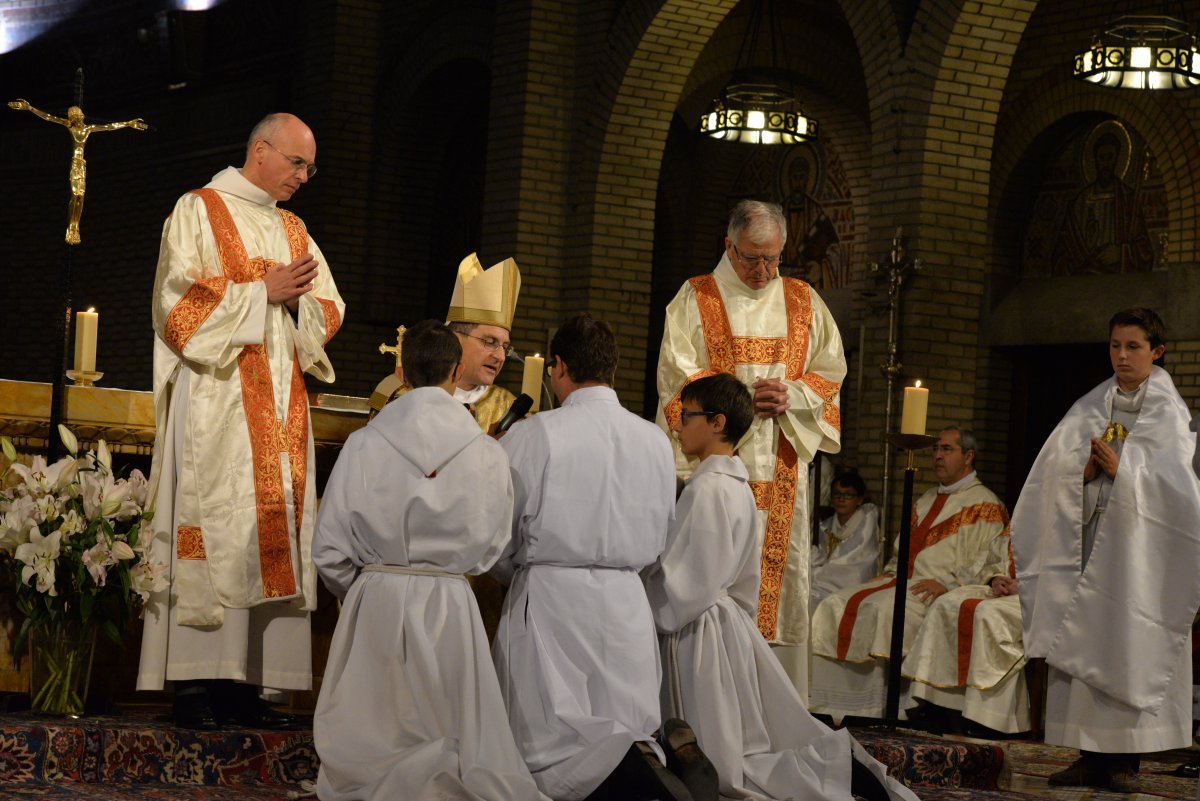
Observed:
{"x":759,"y":261}
{"x":946,"y":448}
{"x":298,"y":164}
{"x":685,"y":414}
{"x":491,"y":344}
{"x":844,"y":496}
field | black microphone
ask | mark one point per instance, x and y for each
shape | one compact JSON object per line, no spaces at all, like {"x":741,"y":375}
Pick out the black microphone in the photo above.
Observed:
{"x":520,"y":407}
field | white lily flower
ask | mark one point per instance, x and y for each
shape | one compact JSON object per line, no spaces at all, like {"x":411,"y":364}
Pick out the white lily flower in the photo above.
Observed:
{"x":68,"y":439}
{"x":39,"y":556}
{"x":103,"y":456}
{"x":121,"y":550}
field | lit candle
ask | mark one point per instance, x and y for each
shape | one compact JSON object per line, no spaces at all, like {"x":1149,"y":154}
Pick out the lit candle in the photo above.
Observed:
{"x":86,"y":323}
{"x":916,"y":408}
{"x":531,"y":380}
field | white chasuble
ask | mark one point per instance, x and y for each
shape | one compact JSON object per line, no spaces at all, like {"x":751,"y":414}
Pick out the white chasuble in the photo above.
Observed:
{"x":720,"y":674}
{"x":576,"y":651}
{"x":1115,"y":630}
{"x":953,"y":541}
{"x":716,"y":324}
{"x":233,"y":486}
{"x":410,"y":706}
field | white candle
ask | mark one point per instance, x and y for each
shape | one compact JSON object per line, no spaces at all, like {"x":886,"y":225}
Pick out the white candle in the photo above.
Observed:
{"x":531,"y":380}
{"x":916,"y":408}
{"x":86,"y":324}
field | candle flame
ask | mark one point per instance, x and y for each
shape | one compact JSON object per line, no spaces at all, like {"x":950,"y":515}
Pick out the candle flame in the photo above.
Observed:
{"x":91,"y":309}
{"x":918,"y":384}
{"x":537,"y":355}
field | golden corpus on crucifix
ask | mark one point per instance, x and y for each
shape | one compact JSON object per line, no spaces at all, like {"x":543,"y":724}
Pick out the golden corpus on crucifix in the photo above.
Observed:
{"x":80,"y":131}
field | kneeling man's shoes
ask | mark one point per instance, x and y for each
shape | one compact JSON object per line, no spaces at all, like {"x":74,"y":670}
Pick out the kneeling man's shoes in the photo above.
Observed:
{"x":640,"y":776}
{"x":1081,"y":773}
{"x":1124,"y":781}
{"x":688,"y":762}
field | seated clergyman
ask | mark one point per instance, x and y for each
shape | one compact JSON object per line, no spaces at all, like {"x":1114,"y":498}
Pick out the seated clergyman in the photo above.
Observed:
{"x":959,"y":538}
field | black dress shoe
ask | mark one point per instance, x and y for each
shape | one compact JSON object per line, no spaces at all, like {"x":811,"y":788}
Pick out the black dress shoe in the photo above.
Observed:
{"x":688,"y":762}
{"x":1187,"y":771}
{"x":193,"y":710}
{"x":239,"y":705}
{"x":640,"y":776}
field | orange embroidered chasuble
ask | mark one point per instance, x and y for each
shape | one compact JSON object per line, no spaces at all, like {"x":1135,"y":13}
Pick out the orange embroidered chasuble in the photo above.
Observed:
{"x":246,"y":493}
{"x":718,"y":325}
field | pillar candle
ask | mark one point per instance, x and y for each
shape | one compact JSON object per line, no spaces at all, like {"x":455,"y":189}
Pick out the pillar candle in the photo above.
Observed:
{"x":86,"y":324}
{"x":531,"y":380}
{"x":916,"y":408}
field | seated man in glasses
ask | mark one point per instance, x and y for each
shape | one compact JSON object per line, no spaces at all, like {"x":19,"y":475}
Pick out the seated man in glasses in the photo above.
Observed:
{"x":955,"y":529}
{"x":848,"y":548}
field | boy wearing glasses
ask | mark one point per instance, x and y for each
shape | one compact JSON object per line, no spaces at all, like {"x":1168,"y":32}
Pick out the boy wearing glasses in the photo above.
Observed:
{"x":848,"y":548}
{"x":1106,"y":545}
{"x":410,"y":706}
{"x":777,"y":337}
{"x":720,"y":674}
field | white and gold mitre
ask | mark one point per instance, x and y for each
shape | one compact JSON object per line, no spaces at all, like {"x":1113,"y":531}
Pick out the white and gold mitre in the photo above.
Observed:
{"x":486,"y":296}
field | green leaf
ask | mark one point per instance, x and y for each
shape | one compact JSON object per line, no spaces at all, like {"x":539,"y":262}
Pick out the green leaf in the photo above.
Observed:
{"x":86,"y":601}
{"x":113,"y":633}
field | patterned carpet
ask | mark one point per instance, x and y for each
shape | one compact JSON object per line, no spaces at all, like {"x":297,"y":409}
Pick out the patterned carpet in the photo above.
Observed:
{"x":138,"y":756}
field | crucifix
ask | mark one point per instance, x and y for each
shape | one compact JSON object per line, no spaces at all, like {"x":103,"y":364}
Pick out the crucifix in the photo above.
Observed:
{"x":80,"y":130}
{"x":395,"y":349}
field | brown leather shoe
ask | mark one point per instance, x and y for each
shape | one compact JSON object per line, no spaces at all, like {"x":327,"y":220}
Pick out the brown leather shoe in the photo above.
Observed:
{"x":688,"y":762}
{"x":1082,"y":772}
{"x":640,"y":776}
{"x":1124,"y":781}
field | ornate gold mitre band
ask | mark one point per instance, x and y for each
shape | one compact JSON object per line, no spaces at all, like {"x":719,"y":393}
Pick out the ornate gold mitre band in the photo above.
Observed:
{"x":488,"y":297}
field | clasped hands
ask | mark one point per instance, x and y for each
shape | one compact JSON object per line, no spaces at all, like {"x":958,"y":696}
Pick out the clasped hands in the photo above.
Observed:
{"x":287,"y":282}
{"x":1102,"y":459}
{"x":770,"y":397}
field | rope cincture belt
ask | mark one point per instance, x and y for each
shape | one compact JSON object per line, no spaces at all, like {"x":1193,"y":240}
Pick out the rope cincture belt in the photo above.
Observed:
{"x":407,"y":570}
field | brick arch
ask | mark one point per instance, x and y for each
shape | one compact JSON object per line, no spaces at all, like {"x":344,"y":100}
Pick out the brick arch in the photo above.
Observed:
{"x":620,"y":230}
{"x":1162,"y":121}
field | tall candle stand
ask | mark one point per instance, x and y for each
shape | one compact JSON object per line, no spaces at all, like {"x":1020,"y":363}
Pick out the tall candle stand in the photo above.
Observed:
{"x":898,"y":268}
{"x":910,"y":443}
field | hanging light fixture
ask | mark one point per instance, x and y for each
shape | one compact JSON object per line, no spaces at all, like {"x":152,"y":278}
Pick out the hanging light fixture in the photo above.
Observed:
{"x":756,"y":106}
{"x":1142,"y":52}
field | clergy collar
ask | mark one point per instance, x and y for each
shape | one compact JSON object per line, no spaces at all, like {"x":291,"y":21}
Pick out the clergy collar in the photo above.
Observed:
{"x":470,"y":395}
{"x":948,"y":489}
{"x":231,"y":181}
{"x":728,"y":278}
{"x":597,"y":394}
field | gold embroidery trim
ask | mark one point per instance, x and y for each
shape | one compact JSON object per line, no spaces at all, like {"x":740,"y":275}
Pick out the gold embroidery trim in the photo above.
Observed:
{"x":777,"y":537}
{"x":196,"y":305}
{"x":189,"y":543}
{"x":979,"y":513}
{"x":268,"y":436}
{"x":333,"y":320}
{"x":762,"y":494}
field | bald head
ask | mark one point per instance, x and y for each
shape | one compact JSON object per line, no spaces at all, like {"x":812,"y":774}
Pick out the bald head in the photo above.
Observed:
{"x":279,"y":154}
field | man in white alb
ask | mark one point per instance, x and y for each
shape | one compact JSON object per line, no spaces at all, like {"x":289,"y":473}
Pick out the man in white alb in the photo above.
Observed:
{"x":244,"y":304}
{"x":577,"y":651}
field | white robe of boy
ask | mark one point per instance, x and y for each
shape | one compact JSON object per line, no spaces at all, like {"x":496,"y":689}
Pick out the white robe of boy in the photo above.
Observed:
{"x":576,"y":651}
{"x":720,"y":673}
{"x":410,"y":706}
{"x":854,"y":558}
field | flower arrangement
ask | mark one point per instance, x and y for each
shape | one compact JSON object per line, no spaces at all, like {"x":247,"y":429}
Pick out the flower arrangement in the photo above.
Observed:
{"x":73,"y":548}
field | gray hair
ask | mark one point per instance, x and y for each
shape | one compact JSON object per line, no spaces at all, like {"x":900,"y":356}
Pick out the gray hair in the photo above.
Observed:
{"x":758,"y":219}
{"x":460,"y":327}
{"x":966,"y":439}
{"x":265,"y":130}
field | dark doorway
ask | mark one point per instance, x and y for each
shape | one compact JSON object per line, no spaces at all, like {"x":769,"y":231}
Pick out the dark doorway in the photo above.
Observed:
{"x":1047,"y":380}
